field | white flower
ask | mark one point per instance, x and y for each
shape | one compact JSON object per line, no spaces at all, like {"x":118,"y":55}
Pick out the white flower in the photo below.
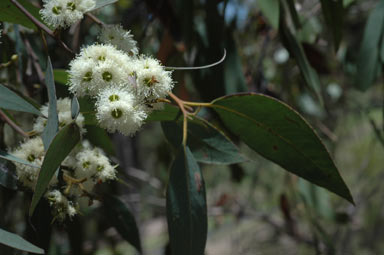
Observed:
{"x":61,"y":206}
{"x":118,"y":110}
{"x":31,"y":150}
{"x":109,"y":73}
{"x":81,"y":76}
{"x":64,"y":13}
{"x":94,"y":165}
{"x":98,"y":67}
{"x":120,"y":38}
{"x":154,"y":83}
{"x":64,"y":115}
{"x":102,"y":52}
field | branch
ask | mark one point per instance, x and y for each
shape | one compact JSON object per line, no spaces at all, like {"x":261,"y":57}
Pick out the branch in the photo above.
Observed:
{"x":12,"y":124}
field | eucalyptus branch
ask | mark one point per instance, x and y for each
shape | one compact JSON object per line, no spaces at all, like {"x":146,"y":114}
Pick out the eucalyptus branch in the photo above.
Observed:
{"x":40,"y":25}
{"x":13,"y":124}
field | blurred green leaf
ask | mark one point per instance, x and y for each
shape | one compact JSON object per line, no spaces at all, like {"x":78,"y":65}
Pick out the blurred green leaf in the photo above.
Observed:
{"x":317,"y":199}
{"x":61,"y":76}
{"x":296,"y":50}
{"x":333,"y":12}
{"x":11,"y":101}
{"x":234,"y":81}
{"x":62,"y":144}
{"x":368,"y":60}
{"x":123,"y":220}
{"x":99,"y":137}
{"x":7,"y":156}
{"x":186,"y":205}
{"x":271,"y":10}
{"x":280,"y":134}
{"x":207,"y":143}
{"x":53,"y":120}
{"x":87,"y":109}
{"x":102,"y":3}
{"x":168,"y":113}
{"x":7,"y":177}
{"x":10,"y":13}
{"x":17,"y":242}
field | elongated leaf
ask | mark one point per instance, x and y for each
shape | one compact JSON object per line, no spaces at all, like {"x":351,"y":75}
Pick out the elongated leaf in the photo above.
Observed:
{"x":296,"y":50}
{"x":123,"y":220}
{"x":17,"y":242}
{"x":7,"y":156}
{"x":186,"y":206}
{"x":7,"y":177}
{"x":11,"y":101}
{"x":168,"y":113}
{"x":280,"y":134}
{"x":207,"y":143}
{"x":12,"y":14}
{"x":271,"y":10}
{"x":61,"y":76}
{"x":102,"y":3}
{"x":333,"y":14}
{"x":75,"y":108}
{"x":61,"y":146}
{"x":53,"y":120}
{"x":368,"y":60}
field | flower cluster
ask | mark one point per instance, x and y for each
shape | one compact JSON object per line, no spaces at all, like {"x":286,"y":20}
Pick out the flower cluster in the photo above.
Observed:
{"x":83,"y":168}
{"x":64,"y":13}
{"x":126,"y":86}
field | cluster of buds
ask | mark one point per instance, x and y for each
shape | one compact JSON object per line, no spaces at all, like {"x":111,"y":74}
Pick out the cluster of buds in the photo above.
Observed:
{"x":83,"y":168}
{"x":126,"y":86}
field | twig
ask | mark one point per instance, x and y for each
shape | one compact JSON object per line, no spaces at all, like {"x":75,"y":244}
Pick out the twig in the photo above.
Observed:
{"x":94,"y":19}
{"x":180,"y":103}
{"x":12,"y":124}
{"x":377,"y":130}
{"x":40,"y":25}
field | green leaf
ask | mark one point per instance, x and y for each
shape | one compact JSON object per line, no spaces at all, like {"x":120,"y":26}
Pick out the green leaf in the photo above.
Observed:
{"x":61,"y":76}
{"x":11,"y":101}
{"x":53,"y":120}
{"x":102,"y":3}
{"x":7,"y":177}
{"x":280,"y":134}
{"x":271,"y":10}
{"x":294,"y":47}
{"x":186,"y":205}
{"x":168,"y":113}
{"x":123,"y":220}
{"x":75,"y":108}
{"x":99,"y":137}
{"x":61,"y":146}
{"x":10,"y":13}
{"x":368,"y":60}
{"x":10,"y":157}
{"x":87,"y":109}
{"x":17,"y":242}
{"x":207,"y":143}
{"x":333,"y":15}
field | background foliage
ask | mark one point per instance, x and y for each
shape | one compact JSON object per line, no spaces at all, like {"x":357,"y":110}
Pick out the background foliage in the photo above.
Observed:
{"x":322,"y":58}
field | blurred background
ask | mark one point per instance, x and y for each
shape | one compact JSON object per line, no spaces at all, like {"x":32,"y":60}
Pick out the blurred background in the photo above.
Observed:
{"x":254,"y":207}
